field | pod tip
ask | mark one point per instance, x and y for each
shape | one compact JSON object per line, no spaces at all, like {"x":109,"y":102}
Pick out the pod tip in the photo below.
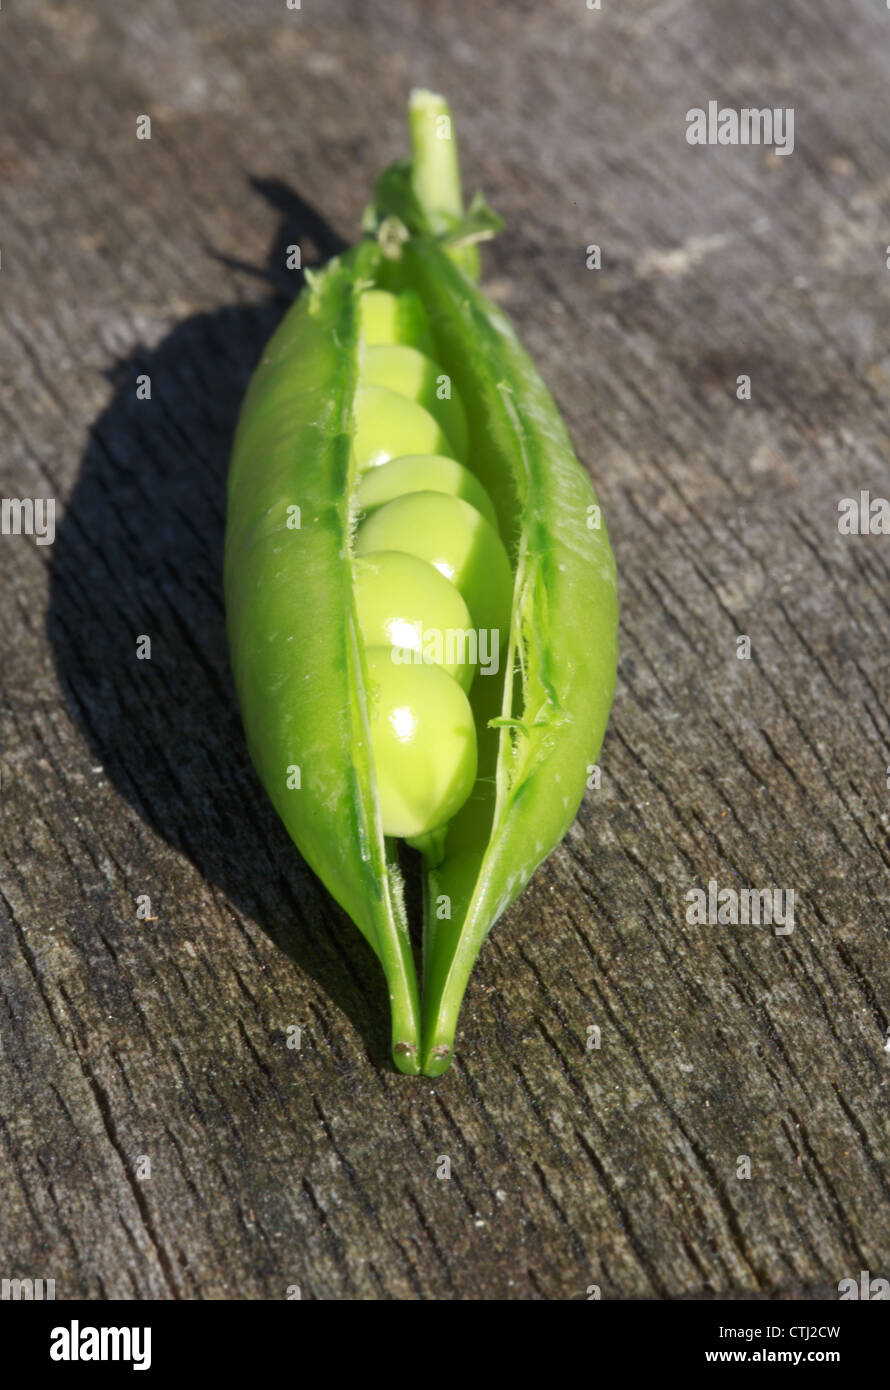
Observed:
{"x":404,"y":1054}
{"x":438,"y":1059}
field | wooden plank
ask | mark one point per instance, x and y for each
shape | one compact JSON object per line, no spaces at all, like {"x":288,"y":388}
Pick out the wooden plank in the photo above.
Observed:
{"x":125,"y":1039}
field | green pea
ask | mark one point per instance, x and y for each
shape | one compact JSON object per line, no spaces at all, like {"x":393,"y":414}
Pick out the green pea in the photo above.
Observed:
{"x":424,"y":743}
{"x":393,"y":318}
{"x":351,"y":511}
{"x":450,"y":534}
{"x":413,"y":374}
{"x":422,"y":473}
{"x":406,"y":603}
{"x":388,"y":424}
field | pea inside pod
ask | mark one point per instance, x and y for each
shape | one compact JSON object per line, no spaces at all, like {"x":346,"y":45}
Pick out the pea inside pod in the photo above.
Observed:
{"x":453,"y":537}
{"x":388,"y":423}
{"x":386,"y":318}
{"x":415,"y":375}
{"x":360,"y":512}
{"x":424,"y":743}
{"x":407,"y":605}
{"x":422,"y":473}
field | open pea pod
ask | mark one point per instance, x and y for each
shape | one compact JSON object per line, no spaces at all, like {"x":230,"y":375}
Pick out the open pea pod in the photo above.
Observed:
{"x":307,"y":511}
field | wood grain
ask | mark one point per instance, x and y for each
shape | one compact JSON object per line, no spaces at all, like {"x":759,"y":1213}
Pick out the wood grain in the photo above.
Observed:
{"x":167,"y":1039}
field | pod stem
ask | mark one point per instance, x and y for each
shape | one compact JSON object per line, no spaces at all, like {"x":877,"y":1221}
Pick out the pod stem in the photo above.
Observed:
{"x":435,"y":171}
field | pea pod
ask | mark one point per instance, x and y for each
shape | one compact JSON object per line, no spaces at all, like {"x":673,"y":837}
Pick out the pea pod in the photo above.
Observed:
{"x":343,"y":468}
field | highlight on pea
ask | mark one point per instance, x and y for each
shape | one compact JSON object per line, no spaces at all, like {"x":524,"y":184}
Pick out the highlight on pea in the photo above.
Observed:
{"x":435,"y":644}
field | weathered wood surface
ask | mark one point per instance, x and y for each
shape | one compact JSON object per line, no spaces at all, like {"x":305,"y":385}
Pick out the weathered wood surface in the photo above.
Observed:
{"x":167,"y":1039}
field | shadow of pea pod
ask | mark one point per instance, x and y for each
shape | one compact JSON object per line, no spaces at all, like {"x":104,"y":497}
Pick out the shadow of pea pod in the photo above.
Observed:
{"x":139,"y":551}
